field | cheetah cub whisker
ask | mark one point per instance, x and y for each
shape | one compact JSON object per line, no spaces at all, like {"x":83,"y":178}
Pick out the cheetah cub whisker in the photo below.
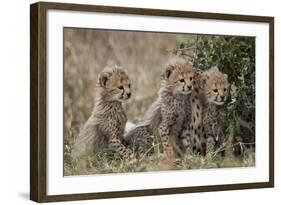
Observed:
{"x":105,"y":127}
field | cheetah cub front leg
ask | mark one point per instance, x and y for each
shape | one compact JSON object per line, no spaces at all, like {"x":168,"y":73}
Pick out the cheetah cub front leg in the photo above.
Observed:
{"x":167,"y":141}
{"x":115,"y":143}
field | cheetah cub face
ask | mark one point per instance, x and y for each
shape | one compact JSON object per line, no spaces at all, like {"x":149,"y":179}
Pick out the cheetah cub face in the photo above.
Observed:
{"x":115,"y":84}
{"x":179,"y":78}
{"x":215,"y":86}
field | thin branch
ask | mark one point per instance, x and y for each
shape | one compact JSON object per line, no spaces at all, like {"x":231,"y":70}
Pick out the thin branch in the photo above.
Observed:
{"x":223,"y":147}
{"x":185,"y":54}
{"x":196,"y":48}
{"x":146,"y":153}
{"x":176,"y":50}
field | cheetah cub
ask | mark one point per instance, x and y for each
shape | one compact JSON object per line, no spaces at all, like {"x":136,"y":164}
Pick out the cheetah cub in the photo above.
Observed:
{"x":208,"y":110}
{"x":166,"y":116}
{"x":106,"y":125}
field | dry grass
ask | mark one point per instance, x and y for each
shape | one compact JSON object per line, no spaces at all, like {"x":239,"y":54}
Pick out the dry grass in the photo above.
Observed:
{"x":86,"y":53}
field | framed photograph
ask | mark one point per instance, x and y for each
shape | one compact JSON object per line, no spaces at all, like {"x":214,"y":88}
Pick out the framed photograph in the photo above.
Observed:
{"x":134,"y":102}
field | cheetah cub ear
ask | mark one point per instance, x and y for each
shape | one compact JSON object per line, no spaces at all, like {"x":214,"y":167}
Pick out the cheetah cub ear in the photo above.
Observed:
{"x":203,"y":78}
{"x":225,"y":76}
{"x":168,"y":71}
{"x":214,"y":68}
{"x":206,"y":75}
{"x":103,"y":78}
{"x":198,"y":78}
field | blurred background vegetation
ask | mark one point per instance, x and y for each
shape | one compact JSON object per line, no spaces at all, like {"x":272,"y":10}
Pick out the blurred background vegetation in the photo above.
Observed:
{"x":143,"y":55}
